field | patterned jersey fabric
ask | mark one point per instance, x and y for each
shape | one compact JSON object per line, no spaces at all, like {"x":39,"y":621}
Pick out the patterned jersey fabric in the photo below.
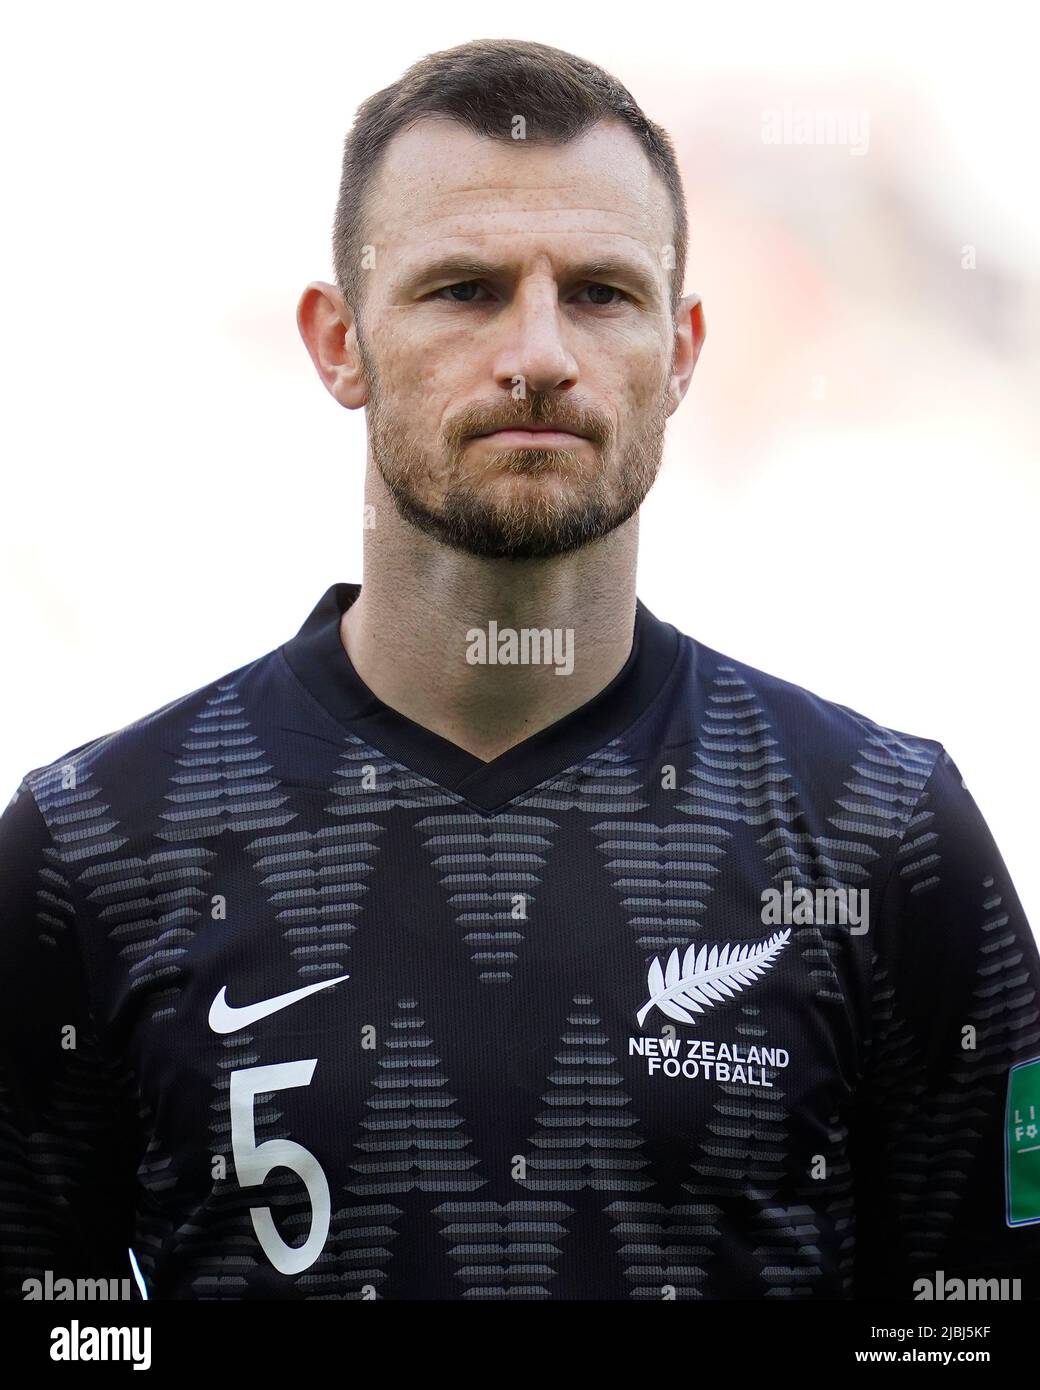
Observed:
{"x":712,"y":989}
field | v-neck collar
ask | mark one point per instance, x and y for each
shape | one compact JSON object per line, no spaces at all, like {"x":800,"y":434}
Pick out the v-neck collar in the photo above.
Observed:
{"x":319,"y":660}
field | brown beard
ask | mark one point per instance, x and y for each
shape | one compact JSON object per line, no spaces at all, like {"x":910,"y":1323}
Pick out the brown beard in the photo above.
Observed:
{"x":467,"y":520}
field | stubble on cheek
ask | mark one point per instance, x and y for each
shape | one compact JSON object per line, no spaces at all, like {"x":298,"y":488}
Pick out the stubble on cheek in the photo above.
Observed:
{"x":438,"y":468}
{"x":404,"y":447}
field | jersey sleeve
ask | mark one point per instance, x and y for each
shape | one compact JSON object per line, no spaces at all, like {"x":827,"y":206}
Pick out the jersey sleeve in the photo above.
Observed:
{"x":945,"y":1137}
{"x":66,"y":1140}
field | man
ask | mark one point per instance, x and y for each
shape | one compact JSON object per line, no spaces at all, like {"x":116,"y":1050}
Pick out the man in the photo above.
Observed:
{"x":392,"y":965}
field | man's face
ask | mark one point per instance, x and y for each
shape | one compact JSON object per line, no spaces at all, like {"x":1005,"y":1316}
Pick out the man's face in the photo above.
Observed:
{"x":517,"y":286}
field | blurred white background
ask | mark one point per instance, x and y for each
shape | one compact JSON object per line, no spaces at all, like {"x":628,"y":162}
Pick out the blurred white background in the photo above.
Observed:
{"x":849,"y":494}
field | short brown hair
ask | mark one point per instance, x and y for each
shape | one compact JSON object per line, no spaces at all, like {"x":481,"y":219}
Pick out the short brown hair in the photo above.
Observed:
{"x":484,"y":85}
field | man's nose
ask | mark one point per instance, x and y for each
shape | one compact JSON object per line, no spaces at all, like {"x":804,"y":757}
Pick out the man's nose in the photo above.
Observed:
{"x":533,"y":347}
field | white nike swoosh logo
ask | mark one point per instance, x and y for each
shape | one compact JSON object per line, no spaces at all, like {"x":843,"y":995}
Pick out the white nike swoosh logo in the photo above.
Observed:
{"x":225,"y":1018}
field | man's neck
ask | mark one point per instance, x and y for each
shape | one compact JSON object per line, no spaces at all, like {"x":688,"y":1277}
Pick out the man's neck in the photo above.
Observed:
{"x":409,"y":633}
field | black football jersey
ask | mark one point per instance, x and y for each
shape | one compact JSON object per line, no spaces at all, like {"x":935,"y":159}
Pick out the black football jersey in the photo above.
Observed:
{"x":713,"y":989}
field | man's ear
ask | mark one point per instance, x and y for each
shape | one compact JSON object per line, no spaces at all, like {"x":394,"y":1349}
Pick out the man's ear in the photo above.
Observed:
{"x":327,"y":327}
{"x":690,"y":329}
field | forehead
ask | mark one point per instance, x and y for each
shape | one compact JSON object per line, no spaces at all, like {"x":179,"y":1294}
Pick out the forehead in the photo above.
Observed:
{"x":438,"y":181}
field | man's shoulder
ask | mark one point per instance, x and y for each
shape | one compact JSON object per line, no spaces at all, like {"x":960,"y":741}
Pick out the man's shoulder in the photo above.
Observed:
{"x":762,"y":710}
{"x":144,"y":761}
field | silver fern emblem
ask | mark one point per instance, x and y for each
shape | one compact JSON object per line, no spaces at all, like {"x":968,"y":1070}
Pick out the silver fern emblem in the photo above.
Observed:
{"x":708,"y":976}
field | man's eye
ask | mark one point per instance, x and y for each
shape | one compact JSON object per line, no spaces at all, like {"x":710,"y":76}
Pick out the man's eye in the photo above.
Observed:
{"x":597,"y":290}
{"x":465,"y":292}
{"x":459,"y":293}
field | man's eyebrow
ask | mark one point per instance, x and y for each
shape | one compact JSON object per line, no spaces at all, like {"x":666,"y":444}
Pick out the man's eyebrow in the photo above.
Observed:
{"x":467,"y":267}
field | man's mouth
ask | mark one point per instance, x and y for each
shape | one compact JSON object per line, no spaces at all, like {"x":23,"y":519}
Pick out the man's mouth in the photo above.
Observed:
{"x":532,"y":436}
